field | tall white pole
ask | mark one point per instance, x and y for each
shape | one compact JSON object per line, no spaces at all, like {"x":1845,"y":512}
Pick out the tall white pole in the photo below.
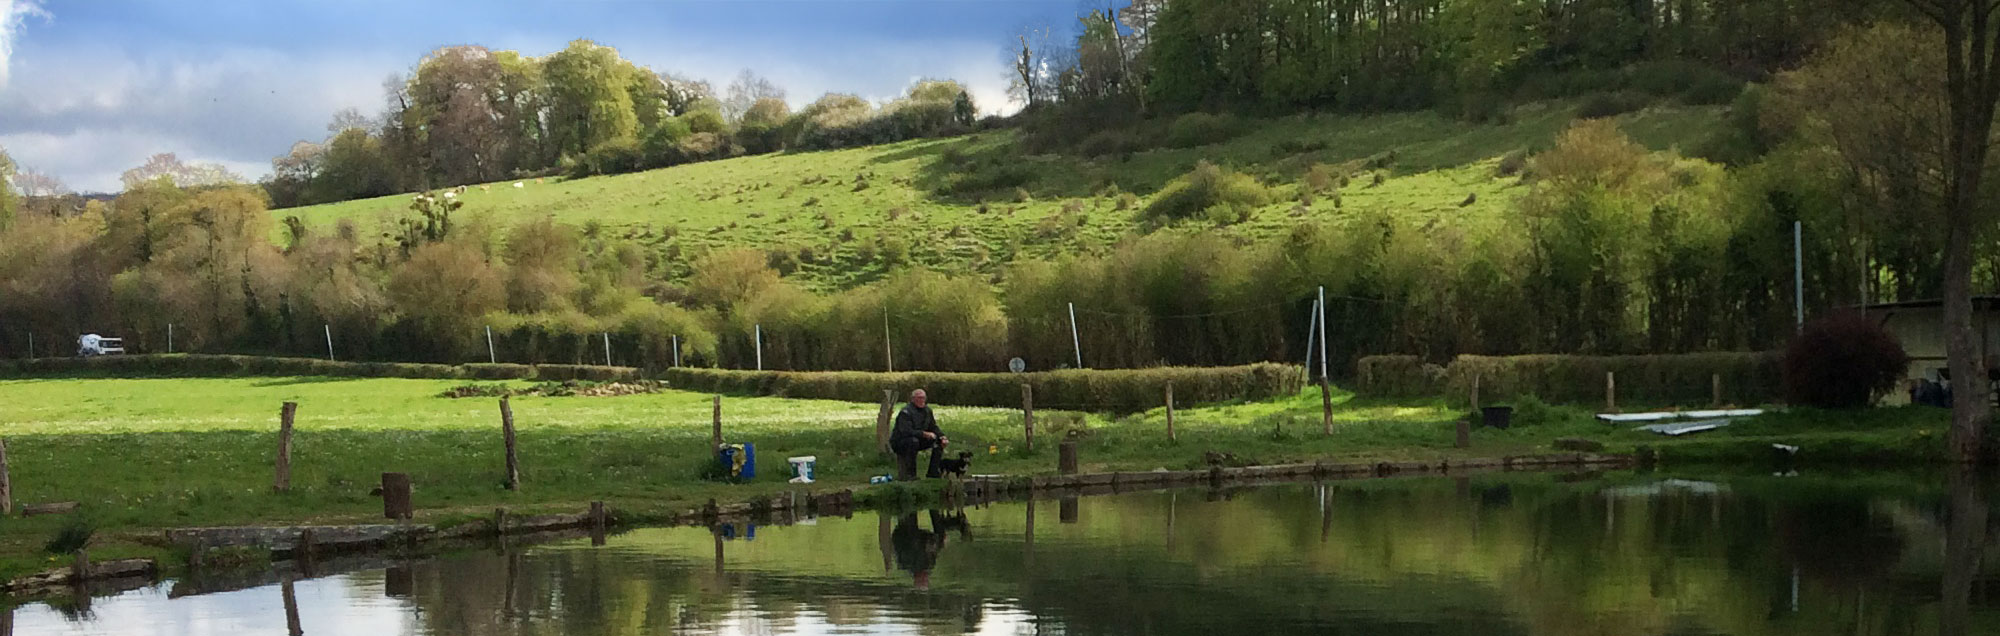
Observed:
{"x":1312,"y":326}
{"x":1074,"y":341}
{"x":170,"y":337}
{"x":607,"y":348}
{"x":491,"y":355}
{"x":329,"y":341}
{"x":760,"y":347}
{"x":677,"y":350}
{"x":1799,"y":273}
{"x":31,"y":345}
{"x":1322,"y":333}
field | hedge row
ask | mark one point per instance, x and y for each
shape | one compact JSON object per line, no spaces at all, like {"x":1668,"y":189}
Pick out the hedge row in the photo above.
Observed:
{"x":1116,"y":390}
{"x":198,"y":365}
{"x":1747,"y":378}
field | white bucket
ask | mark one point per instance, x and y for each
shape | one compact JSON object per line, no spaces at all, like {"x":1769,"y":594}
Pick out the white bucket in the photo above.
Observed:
{"x":802,"y":468}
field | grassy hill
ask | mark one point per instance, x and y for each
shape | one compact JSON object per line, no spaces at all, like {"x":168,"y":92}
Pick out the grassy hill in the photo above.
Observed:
{"x":977,"y":202}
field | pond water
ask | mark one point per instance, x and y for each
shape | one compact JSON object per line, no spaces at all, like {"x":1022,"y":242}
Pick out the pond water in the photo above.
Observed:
{"x":1618,"y":554}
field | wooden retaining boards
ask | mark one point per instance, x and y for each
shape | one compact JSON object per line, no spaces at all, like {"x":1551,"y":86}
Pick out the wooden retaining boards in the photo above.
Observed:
{"x":993,"y":485}
{"x":107,"y":570}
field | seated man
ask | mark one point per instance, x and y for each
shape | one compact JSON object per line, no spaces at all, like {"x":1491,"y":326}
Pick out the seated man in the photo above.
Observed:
{"x":916,"y":429}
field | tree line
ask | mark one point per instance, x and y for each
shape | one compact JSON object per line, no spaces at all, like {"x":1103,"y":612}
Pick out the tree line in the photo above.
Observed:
{"x":468,"y":114}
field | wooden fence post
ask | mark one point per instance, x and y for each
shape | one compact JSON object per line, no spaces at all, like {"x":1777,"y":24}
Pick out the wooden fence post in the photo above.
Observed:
{"x":1715,"y":389}
{"x":6,"y":483}
{"x":882,"y":420}
{"x":715,"y":434}
{"x":1170,"y":413}
{"x":1325,"y":407}
{"x":1464,"y":433}
{"x":1611,"y":391}
{"x":1066,"y":459}
{"x":396,"y":495}
{"x":1475,"y":391}
{"x":1028,"y":414}
{"x":284,"y":479}
{"x":507,"y":435}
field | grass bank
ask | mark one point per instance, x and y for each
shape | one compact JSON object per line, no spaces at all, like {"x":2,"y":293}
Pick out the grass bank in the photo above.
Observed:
{"x":142,"y":454}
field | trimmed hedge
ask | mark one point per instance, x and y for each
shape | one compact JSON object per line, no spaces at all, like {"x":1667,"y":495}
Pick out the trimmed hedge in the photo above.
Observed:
{"x":1116,"y":390}
{"x":199,"y":365}
{"x":1747,"y":378}
{"x":1398,"y":377}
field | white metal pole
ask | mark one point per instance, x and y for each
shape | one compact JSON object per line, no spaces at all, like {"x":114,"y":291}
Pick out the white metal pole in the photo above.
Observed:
{"x":607,"y":348}
{"x":31,"y":345}
{"x":760,"y":347}
{"x":1799,"y":273}
{"x":1312,"y":325}
{"x":677,"y":350}
{"x":1322,"y":333}
{"x":170,"y":337}
{"x":329,"y":341}
{"x":1074,"y":341}
{"x":491,"y":356}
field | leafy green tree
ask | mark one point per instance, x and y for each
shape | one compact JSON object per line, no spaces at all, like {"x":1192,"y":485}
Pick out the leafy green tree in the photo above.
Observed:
{"x":589,"y":98}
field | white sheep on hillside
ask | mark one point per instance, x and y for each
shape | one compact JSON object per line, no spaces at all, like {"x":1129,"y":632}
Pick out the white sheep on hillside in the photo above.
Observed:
{"x":517,"y":184}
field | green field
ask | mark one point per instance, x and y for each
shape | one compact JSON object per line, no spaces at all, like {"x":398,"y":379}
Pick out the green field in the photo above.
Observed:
{"x":151,"y":453}
{"x":977,"y":202}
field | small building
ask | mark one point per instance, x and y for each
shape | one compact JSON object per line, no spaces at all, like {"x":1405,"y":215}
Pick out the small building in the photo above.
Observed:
{"x":1919,"y":325}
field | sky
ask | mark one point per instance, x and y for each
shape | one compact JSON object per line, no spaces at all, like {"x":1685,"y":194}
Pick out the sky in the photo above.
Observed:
{"x":91,"y":88}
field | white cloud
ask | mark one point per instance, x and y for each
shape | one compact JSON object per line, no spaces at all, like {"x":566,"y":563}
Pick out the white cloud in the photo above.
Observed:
{"x":88,"y":116}
{"x":14,"y":16}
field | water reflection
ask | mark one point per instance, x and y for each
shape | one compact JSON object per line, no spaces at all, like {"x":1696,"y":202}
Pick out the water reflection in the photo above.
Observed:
{"x":1882,"y":555}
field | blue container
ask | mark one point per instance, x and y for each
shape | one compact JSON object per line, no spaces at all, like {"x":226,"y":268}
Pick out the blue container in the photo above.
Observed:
{"x":749,"y":460}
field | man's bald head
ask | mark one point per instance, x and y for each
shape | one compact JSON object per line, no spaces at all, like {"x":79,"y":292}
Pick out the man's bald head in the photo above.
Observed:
{"x":918,"y":398}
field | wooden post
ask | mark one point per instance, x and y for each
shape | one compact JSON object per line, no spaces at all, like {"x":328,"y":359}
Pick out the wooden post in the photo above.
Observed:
{"x":303,"y":552}
{"x":1715,"y":389}
{"x":1066,"y":460}
{"x":1611,"y":391}
{"x":597,"y":516}
{"x":715,"y":435}
{"x":507,"y":436}
{"x":1170,"y":413}
{"x":500,"y":521}
{"x":1325,"y":407}
{"x":1066,"y":510}
{"x":1464,"y":433}
{"x":396,"y":495}
{"x":6,"y":483}
{"x":284,"y":480}
{"x":1028,"y":414}
{"x":1475,"y":391}
{"x":882,"y":420}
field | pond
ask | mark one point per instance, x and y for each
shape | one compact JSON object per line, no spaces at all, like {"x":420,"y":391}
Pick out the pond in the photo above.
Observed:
{"x":1540,"y":554}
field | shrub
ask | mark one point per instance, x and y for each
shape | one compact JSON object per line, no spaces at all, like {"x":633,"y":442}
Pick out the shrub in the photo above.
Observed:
{"x":74,"y":534}
{"x":1116,"y":390}
{"x":1611,"y":105}
{"x":611,"y":157}
{"x":1201,"y":129}
{"x":1110,"y":142}
{"x":1512,"y":165}
{"x":1843,"y":361}
{"x":1207,"y":186}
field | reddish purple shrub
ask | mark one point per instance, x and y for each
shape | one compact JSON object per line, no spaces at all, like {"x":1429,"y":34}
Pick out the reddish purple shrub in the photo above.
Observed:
{"x":1842,"y":361}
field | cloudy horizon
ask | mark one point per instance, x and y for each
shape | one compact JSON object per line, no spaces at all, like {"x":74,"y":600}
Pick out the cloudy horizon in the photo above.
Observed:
{"x":91,"y":89}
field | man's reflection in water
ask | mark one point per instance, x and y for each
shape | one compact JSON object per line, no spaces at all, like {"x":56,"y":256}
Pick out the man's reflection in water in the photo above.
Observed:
{"x":917,"y":549}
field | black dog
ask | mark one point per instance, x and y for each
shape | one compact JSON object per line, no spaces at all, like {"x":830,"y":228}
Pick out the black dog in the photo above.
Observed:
{"x":957,"y":466}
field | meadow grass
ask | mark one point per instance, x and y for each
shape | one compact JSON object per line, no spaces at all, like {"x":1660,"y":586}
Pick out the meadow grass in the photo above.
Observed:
{"x":151,"y":453}
{"x":976,"y":202}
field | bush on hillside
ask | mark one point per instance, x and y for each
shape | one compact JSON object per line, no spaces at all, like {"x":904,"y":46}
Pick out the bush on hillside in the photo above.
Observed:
{"x":1201,"y":129}
{"x":1204,"y":188}
{"x":1611,"y":104}
{"x":1843,"y":361}
{"x":617,"y":156}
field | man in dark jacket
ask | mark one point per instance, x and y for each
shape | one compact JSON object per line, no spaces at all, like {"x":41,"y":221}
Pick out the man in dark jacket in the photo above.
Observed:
{"x":916,"y":429}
